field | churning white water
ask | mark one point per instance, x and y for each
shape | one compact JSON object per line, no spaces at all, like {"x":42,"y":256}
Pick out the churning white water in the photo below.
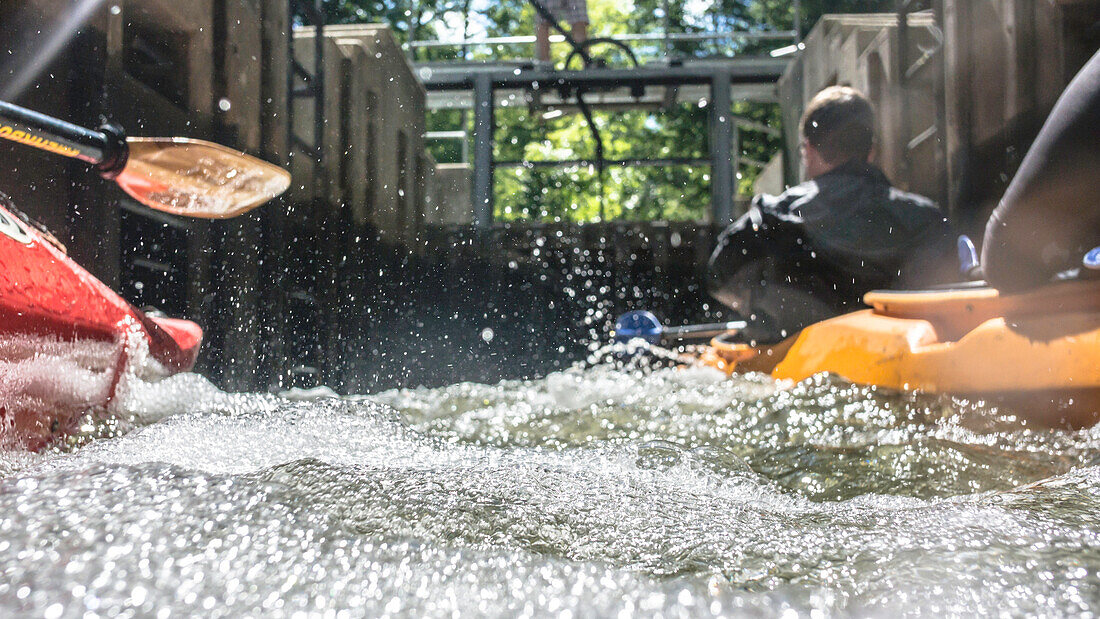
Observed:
{"x":593,"y":492}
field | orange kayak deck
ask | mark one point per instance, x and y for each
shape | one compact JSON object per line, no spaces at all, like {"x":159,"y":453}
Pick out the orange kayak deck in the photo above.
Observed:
{"x":1040,"y":348}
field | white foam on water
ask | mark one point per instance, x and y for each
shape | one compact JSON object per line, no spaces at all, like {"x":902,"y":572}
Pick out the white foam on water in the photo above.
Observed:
{"x":151,"y":401}
{"x":36,"y":370}
{"x":598,"y":491}
{"x":46,"y":383}
{"x":298,"y":394}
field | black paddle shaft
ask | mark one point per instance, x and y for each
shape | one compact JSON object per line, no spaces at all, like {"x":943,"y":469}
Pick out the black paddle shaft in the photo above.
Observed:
{"x":699,"y":332}
{"x":104,"y":148}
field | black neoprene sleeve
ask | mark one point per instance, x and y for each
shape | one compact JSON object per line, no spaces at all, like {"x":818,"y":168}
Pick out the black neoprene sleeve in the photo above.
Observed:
{"x":1050,"y":214}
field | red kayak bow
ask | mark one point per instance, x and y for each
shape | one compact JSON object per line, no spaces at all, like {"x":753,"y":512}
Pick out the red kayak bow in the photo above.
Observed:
{"x":66,"y":338}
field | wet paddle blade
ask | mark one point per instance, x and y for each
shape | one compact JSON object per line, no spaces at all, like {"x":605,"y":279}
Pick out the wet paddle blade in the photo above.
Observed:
{"x":194,"y":178}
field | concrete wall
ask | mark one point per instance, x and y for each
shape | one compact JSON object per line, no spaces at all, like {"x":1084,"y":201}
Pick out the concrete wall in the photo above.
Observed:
{"x":244,"y":73}
{"x":169,"y":46}
{"x":358,"y":106}
{"x":395,"y":162}
{"x":1006,"y":63}
{"x":274,"y":44}
{"x":770,"y":180}
{"x":450,"y":185}
{"x":1002,"y":66}
{"x":311,"y":181}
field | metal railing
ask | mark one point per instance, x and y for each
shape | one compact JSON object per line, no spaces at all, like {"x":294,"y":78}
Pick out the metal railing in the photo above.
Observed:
{"x":779,"y":35}
{"x":667,"y":37}
{"x":725,"y":158}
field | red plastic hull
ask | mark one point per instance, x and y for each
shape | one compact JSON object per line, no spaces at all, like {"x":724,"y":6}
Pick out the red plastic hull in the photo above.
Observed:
{"x":66,"y":338}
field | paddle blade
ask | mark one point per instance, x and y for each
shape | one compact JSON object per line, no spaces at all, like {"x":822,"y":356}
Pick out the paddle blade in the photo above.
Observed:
{"x":638,"y":324}
{"x":194,"y":178}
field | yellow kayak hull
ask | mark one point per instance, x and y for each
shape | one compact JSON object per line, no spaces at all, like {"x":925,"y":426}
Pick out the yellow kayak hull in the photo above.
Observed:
{"x":1039,"y":349}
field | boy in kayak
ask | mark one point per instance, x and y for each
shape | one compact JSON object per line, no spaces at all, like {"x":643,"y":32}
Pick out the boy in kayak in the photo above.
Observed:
{"x":812,"y":252}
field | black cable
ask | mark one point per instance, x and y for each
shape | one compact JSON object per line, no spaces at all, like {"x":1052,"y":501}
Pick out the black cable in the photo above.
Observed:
{"x":581,"y":104}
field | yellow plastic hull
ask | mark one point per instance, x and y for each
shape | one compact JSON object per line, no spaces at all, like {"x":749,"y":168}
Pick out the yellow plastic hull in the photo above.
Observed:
{"x":1040,"y":350}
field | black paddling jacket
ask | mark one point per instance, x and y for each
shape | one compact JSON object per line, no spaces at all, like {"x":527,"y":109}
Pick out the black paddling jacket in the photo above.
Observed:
{"x":814,"y":251}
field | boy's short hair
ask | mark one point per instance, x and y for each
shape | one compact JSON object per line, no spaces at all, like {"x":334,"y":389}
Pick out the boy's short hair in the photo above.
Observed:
{"x":840,"y":123}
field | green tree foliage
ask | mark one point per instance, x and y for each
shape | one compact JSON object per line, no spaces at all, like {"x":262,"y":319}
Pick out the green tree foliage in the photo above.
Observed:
{"x":676,"y":192}
{"x":409,"y":19}
{"x":679,"y":131}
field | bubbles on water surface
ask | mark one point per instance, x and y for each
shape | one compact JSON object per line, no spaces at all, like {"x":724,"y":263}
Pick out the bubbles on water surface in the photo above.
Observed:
{"x":598,"y":490}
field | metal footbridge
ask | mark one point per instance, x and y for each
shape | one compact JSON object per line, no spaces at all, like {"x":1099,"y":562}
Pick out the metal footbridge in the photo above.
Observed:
{"x":587,"y":82}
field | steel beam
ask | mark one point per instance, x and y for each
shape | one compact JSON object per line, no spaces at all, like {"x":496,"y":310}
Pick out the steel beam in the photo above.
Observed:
{"x":739,"y":35}
{"x":722,"y":129}
{"x":464,"y":75}
{"x":581,"y":163}
{"x":637,"y":162}
{"x":655,"y":97}
{"x":483,"y":152}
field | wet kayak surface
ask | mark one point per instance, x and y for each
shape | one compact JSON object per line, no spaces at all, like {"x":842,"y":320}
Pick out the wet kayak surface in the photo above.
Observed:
{"x":596,"y":491}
